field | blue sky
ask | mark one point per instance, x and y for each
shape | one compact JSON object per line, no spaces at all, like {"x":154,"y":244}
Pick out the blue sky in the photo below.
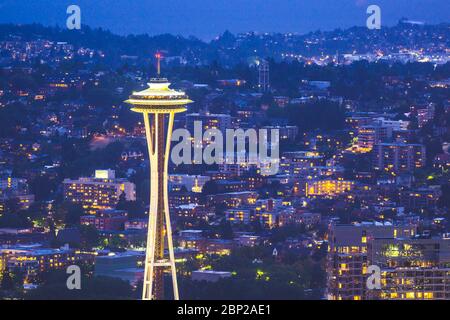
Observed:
{"x":208,"y":18}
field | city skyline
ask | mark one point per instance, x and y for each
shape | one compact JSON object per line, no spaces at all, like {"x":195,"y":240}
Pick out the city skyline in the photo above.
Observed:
{"x":253,"y":167}
{"x":206,"y":20}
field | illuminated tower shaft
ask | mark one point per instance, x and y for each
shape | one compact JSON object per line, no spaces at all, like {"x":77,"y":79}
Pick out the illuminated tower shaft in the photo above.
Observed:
{"x":159,"y":223}
{"x":158,"y":104}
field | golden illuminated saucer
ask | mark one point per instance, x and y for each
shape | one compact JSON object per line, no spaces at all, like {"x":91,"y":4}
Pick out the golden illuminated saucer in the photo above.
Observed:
{"x":158,"y":98}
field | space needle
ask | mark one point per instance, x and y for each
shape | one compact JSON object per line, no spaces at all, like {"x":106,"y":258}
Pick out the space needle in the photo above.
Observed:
{"x":158,"y":105}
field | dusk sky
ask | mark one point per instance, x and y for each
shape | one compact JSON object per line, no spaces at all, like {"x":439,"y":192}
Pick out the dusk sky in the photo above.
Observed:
{"x":208,"y":18}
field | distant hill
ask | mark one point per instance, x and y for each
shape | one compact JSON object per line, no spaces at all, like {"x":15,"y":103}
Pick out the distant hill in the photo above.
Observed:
{"x":230,"y":49}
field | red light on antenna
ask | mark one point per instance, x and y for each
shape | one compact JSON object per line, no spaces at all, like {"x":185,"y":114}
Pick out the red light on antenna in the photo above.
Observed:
{"x":158,"y":55}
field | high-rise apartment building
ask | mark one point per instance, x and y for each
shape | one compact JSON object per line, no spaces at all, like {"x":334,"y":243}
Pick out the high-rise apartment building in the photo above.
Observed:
{"x":398,"y":157}
{"x":348,"y":261}
{"x":15,"y":189}
{"x":411,"y":266}
{"x":102,"y":191}
{"x":109,"y":219}
{"x":328,"y":188}
{"x":299,"y":162}
{"x":368,"y":136}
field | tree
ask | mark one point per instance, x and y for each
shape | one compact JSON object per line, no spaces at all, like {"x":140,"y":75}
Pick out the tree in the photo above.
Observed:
{"x":225,"y":230}
{"x":7,"y":282}
{"x":68,"y":213}
{"x":12,"y":205}
{"x":54,"y":287}
{"x":319,"y":115}
{"x":14,"y":220}
{"x":89,"y":236}
{"x":444,"y":200}
{"x":135,"y":209}
{"x":117,"y":242}
{"x":210,"y":187}
{"x":42,"y":187}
